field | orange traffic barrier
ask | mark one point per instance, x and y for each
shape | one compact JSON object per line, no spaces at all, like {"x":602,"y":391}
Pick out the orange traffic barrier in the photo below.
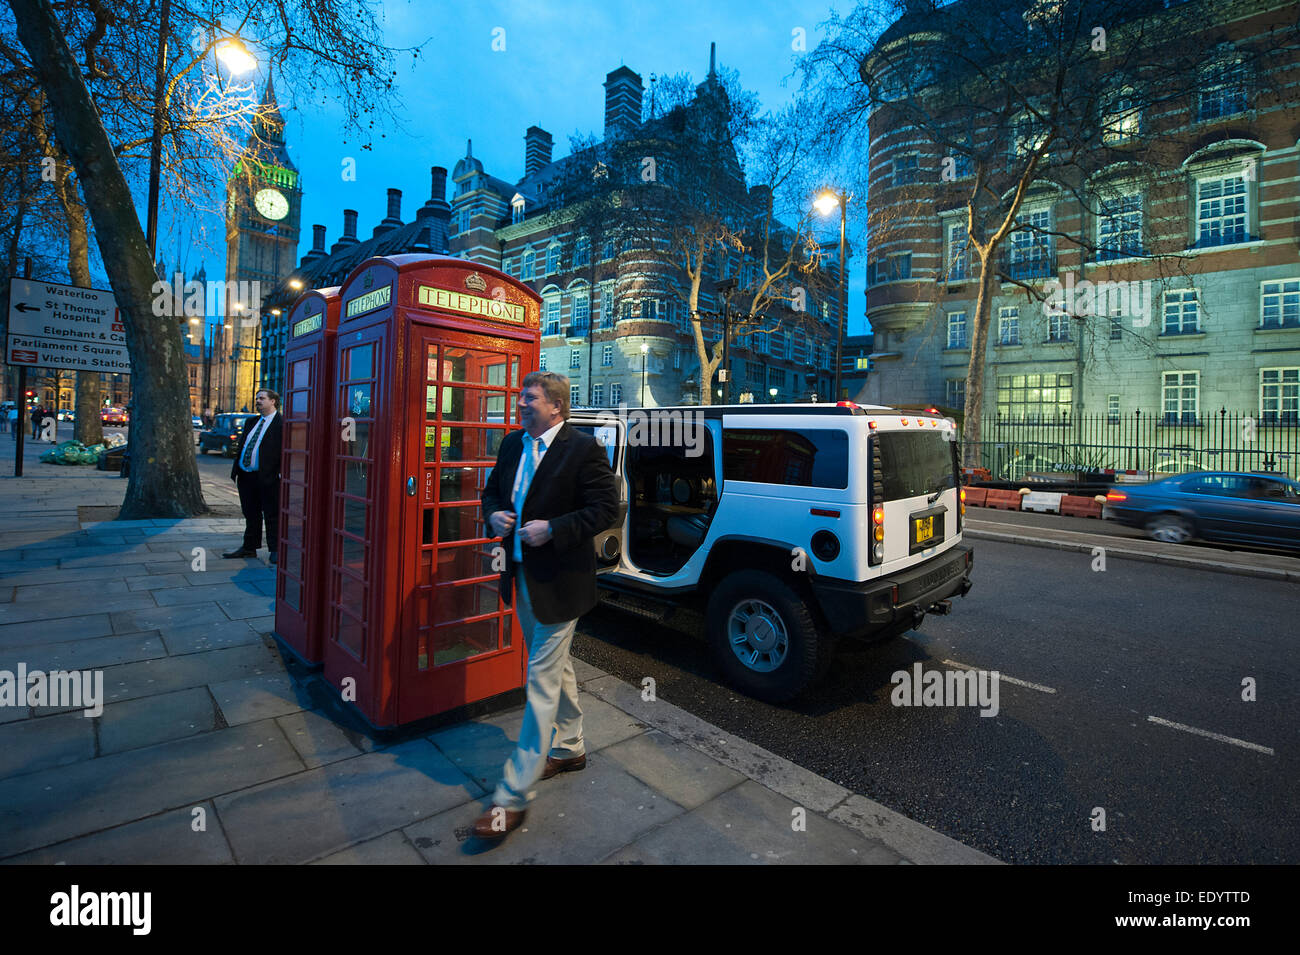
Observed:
{"x":1002,"y":500}
{"x":1074,"y":505}
{"x":975,"y":496}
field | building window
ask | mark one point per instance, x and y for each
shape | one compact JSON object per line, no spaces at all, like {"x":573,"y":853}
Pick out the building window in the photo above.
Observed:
{"x":1009,"y":325}
{"x":905,"y":170}
{"x":958,"y":251}
{"x":1058,"y":326}
{"x":541,"y":361}
{"x":530,"y":260}
{"x":1116,"y":328}
{"x":575,"y":395}
{"x":581,"y":312}
{"x":649,"y":309}
{"x":616,"y":393}
{"x":553,"y":259}
{"x":1121,"y":119}
{"x":607,"y":250}
{"x":1112,"y":409}
{"x":1035,"y":398}
{"x":1119,"y":227}
{"x":1180,"y":391}
{"x":575,"y":358}
{"x":1222,"y":216}
{"x":754,"y":371}
{"x":582,"y":252}
{"x":1027,"y":136}
{"x":598,"y":395}
{"x":955,"y":393}
{"x":607,"y":356}
{"x":677,"y":359}
{"x":778,"y":344}
{"x":1181,"y":313}
{"x":956,"y":329}
{"x":961,"y":167}
{"x":552,"y":316}
{"x":627,"y":311}
{"x":1279,"y":304}
{"x":517,"y":212}
{"x":1279,"y":395}
{"x":607,"y":308}
{"x":1031,"y":252}
{"x":862,"y":363}
{"x":1224,"y":90}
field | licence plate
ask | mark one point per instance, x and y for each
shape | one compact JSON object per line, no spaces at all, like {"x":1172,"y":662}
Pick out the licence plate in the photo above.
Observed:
{"x":924,"y":528}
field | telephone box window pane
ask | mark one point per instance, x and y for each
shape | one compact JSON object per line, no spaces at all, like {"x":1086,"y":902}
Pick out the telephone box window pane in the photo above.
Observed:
{"x":354,"y":477}
{"x":293,"y":561}
{"x":471,"y":444}
{"x":514,"y":372}
{"x":431,"y":401}
{"x":354,"y":517}
{"x":300,"y":374}
{"x":451,"y":644}
{"x":358,"y":401}
{"x":431,"y":364}
{"x":293,"y":532}
{"x":354,"y":555}
{"x":472,"y":404}
{"x":296,"y":497}
{"x":359,"y":445}
{"x":360,"y":362}
{"x":350,"y":633}
{"x":298,"y":403}
{"x":352,"y":593}
{"x":427,"y":536}
{"x":471,"y":600}
{"x":495,"y":373}
{"x":461,"y":484}
{"x":462,"y":563}
{"x":461,"y":524}
{"x":297,"y":467}
{"x":297,"y":437}
{"x":430,"y":445}
{"x":293,"y":593}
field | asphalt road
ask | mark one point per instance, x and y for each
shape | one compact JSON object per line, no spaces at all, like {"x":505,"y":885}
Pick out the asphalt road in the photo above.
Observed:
{"x":1105,"y":651}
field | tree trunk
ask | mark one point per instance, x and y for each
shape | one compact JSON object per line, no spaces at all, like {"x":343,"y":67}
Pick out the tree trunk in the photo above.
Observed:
{"x":970,"y":432}
{"x":164,"y":477}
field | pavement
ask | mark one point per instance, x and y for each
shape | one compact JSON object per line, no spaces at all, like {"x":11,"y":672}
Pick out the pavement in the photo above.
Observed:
{"x":212,"y":748}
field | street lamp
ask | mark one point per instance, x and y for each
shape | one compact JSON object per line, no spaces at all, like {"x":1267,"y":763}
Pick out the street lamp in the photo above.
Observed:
{"x":725,"y":287}
{"x":825,"y":204}
{"x":644,"y":348}
{"x":772,"y":392}
{"x":235,"y":55}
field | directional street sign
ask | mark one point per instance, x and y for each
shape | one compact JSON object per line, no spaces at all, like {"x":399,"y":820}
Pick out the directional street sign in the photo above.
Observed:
{"x":62,"y":326}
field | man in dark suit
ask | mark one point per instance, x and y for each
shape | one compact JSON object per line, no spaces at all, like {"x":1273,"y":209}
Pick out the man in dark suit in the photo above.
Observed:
{"x":256,"y":472}
{"x":549,"y":494}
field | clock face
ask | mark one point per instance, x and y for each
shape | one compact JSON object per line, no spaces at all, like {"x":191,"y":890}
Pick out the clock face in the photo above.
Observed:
{"x":271,"y":203}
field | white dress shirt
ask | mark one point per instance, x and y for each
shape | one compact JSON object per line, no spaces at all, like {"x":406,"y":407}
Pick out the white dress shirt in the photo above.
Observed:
{"x":547,"y":439}
{"x":262,"y":427}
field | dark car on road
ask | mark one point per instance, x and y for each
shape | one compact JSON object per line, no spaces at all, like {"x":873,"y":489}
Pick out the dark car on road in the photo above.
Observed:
{"x":223,"y":436}
{"x":1232,"y":506}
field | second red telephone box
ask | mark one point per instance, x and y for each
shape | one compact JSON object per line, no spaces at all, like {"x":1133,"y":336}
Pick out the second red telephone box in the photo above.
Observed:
{"x":429,"y":359}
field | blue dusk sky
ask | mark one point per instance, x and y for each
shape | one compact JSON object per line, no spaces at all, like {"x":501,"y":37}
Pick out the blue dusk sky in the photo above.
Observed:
{"x":550,"y":74}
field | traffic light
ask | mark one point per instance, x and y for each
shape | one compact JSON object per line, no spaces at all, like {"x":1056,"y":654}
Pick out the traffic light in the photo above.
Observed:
{"x":30,"y":395}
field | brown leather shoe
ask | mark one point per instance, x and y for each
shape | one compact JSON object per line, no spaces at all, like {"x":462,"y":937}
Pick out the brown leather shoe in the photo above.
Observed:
{"x":571,"y":765}
{"x":497,"y":822}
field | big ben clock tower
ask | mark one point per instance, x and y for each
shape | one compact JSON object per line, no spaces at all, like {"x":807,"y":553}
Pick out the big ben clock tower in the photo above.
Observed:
{"x":263,"y":211}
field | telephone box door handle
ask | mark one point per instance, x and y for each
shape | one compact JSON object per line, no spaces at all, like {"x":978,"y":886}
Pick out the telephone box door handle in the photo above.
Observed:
{"x":410,"y":487}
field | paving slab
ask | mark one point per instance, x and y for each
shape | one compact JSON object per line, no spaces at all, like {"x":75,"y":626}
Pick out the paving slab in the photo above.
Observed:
{"x":132,"y":724}
{"x":319,"y":740}
{"x":37,"y":744}
{"x":198,"y":594}
{"x":907,"y":837}
{"x":576,"y":818}
{"x":168,"y":838}
{"x":253,"y":698}
{"x":53,"y":805}
{"x":88,"y":654}
{"x":165,"y":618}
{"x":208,"y":636}
{"x":88,"y":601}
{"x":155,"y":582}
{"x":751,"y":825}
{"x":245,"y":607}
{"x":56,"y":575}
{"x":392,"y":848}
{"x":325,"y":810}
{"x":149,"y":677}
{"x":75,"y":589}
{"x":64,"y":628}
{"x":683,"y":774}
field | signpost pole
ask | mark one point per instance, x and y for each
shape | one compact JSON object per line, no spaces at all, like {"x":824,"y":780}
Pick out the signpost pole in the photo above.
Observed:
{"x":21,"y":423}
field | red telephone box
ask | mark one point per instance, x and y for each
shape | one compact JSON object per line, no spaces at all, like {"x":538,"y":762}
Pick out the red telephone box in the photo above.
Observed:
{"x":429,"y":358}
{"x":305,"y":468}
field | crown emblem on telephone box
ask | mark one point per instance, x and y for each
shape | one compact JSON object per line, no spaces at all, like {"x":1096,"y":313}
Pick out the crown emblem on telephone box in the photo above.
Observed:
{"x":475,"y":281}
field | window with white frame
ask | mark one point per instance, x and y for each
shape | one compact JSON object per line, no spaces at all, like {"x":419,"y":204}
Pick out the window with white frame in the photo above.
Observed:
{"x":616,"y":393}
{"x":958,"y":252}
{"x":1027,"y":136}
{"x":1279,"y":304}
{"x":541,"y":361}
{"x":1116,"y":327}
{"x":552,"y":316}
{"x":1009,"y":325}
{"x":1119,"y":227}
{"x":553,"y":259}
{"x":1058,"y":325}
{"x":1121,"y":118}
{"x":1279,"y":395}
{"x":517,"y":211}
{"x":627,"y":311}
{"x":607,"y":307}
{"x":607,"y":356}
{"x":598,"y":395}
{"x":956,"y":329}
{"x":1112,"y":409}
{"x":582,"y":252}
{"x":581,"y":312}
{"x":1223,"y":90}
{"x":906,"y":170}
{"x":649,"y":309}
{"x":955,"y":393}
{"x":1222,"y":210}
{"x":575,"y":395}
{"x":1180,"y":393}
{"x":1037,"y":397}
{"x":681,"y":318}
{"x":1181,"y":313}
{"x":1030,"y":254}
{"x":575,"y":358}
{"x":607,"y":249}
{"x":530,"y":259}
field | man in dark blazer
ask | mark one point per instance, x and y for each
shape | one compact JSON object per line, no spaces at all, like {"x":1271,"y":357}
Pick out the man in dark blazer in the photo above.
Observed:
{"x":256,"y":472}
{"x":549,"y":494}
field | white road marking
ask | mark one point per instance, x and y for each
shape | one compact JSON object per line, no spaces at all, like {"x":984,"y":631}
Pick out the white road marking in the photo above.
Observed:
{"x":1002,"y":677}
{"x":1206,"y":733}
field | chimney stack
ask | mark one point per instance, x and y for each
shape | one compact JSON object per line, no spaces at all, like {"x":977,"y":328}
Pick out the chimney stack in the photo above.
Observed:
{"x":623,"y":91}
{"x":317,"y":246}
{"x":349,"y":236}
{"x":537,"y":149}
{"x":394,"y":218}
{"x":436,"y":213}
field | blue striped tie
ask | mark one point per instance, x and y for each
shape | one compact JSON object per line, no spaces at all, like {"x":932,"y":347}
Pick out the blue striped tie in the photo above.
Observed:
{"x":525,"y":479}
